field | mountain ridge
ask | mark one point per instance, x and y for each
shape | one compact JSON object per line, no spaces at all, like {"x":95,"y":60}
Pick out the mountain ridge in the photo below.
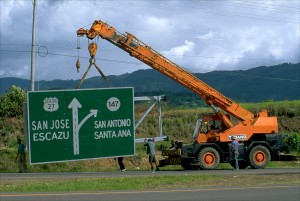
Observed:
{"x":279,"y":82}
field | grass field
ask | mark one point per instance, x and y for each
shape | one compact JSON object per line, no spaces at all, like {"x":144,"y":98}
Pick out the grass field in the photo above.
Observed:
{"x":151,"y":182}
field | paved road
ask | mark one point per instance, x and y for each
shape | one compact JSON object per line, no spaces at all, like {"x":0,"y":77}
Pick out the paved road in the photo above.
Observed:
{"x":270,"y":193}
{"x":66,"y":175}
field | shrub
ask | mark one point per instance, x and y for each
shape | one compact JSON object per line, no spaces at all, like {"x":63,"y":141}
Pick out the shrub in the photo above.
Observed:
{"x":12,"y":102}
{"x":292,"y":140}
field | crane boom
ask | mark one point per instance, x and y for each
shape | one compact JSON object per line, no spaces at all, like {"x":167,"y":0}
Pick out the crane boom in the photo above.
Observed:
{"x":157,"y":61}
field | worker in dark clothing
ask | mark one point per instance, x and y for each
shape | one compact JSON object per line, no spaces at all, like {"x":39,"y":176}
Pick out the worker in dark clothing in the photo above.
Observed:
{"x":151,"y":152}
{"x":21,"y":155}
{"x":235,"y":152}
{"x":121,"y":164}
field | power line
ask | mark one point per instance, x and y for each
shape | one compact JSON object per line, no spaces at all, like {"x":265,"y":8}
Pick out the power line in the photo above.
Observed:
{"x":140,"y":63}
{"x":268,"y":7}
{"x":76,"y":56}
{"x":192,"y":70}
{"x":263,"y":77}
{"x":122,"y":61}
{"x":218,"y":12}
{"x":280,"y":6}
{"x":233,"y":58}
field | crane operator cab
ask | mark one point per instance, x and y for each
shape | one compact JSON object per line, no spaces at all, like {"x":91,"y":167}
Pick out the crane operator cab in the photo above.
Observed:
{"x":207,"y":127}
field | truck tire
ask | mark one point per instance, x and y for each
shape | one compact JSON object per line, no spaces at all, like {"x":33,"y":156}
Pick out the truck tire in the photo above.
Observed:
{"x":208,"y":158}
{"x":259,"y":157}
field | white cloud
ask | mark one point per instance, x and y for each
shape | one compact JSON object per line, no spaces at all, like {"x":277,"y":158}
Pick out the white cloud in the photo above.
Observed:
{"x":181,"y":50}
{"x":210,"y":35}
{"x":199,"y":35}
{"x":157,"y":24}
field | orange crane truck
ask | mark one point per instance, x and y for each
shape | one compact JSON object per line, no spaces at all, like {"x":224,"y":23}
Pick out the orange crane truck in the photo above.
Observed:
{"x":257,"y":133}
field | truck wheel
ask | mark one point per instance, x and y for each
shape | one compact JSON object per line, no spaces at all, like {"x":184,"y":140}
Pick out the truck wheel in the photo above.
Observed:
{"x":208,"y":158}
{"x":259,"y":157}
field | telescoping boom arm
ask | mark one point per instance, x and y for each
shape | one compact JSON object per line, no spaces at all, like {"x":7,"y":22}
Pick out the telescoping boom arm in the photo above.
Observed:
{"x":157,"y":61}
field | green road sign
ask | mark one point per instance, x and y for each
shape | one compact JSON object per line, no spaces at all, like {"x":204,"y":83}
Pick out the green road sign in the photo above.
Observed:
{"x":80,"y":124}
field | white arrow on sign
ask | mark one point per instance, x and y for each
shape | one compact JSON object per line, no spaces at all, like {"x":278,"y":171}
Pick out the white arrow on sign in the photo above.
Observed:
{"x":93,"y":113}
{"x":74,"y":105}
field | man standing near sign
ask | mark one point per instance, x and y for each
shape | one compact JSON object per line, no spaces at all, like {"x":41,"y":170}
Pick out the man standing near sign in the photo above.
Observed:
{"x":22,"y":157}
{"x":151,"y":152}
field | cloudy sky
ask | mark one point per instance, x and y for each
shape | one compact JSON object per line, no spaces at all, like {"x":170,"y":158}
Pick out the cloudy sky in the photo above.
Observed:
{"x":201,"y":36}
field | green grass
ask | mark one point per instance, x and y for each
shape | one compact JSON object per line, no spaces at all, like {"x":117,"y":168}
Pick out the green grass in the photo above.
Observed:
{"x":102,"y":184}
{"x":153,"y":182}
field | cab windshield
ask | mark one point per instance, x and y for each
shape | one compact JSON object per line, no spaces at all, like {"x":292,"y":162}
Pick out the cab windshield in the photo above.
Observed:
{"x":210,"y":125}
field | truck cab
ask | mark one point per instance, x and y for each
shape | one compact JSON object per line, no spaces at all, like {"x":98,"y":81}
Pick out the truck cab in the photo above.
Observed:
{"x":208,"y":129}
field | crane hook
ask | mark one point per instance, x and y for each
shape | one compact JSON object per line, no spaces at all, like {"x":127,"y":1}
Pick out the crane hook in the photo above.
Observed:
{"x":78,"y":65}
{"x":78,"y":48}
{"x":93,"y":49}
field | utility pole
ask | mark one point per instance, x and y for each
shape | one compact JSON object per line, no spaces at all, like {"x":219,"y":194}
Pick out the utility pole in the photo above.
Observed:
{"x":33,"y":48}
